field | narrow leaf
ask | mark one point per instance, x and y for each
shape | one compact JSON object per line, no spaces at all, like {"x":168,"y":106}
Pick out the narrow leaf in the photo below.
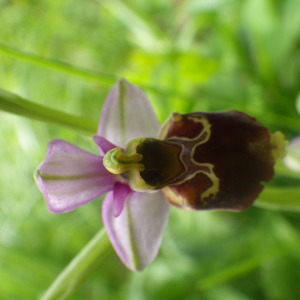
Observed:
{"x":58,"y":65}
{"x":287,"y":199}
{"x":72,"y":275}
{"x":17,"y":105}
{"x":79,"y":72}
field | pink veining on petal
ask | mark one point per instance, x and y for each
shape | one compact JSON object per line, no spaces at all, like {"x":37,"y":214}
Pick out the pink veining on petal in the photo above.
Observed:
{"x":103,"y":144}
{"x":127,"y":114}
{"x":70,"y":177}
{"x":136,"y":233}
{"x":121,"y":192}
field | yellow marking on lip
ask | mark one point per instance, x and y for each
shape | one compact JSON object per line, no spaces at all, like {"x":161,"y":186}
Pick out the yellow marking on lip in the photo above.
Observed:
{"x":188,"y":159}
{"x":176,"y":117}
{"x":215,"y":187}
{"x":206,"y":129}
{"x":278,"y":143}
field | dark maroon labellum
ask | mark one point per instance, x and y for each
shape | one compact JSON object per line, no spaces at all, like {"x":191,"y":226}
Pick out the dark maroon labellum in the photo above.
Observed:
{"x":225,"y":158}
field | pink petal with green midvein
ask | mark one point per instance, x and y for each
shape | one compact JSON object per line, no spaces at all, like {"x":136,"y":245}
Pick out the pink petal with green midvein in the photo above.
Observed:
{"x":136,"y":233}
{"x":70,"y":177}
{"x":127,"y":114}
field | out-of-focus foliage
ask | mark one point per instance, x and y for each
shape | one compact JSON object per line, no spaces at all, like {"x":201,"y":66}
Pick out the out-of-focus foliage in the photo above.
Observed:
{"x":190,"y":55}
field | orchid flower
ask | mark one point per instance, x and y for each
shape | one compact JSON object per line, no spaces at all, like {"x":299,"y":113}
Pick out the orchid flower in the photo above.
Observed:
{"x":194,"y":161}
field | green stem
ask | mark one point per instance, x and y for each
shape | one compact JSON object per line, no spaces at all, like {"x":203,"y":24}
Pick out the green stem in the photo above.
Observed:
{"x":283,"y":192}
{"x":58,"y":65}
{"x":17,"y":105}
{"x":78,"y":267}
{"x":237,"y":270}
{"x":279,"y":198}
{"x":79,"y":72}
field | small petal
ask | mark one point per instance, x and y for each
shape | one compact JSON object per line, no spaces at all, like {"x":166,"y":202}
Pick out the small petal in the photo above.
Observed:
{"x":136,"y":234}
{"x":70,"y":177}
{"x":121,"y":192}
{"x":127,"y":114}
{"x":103,"y":144}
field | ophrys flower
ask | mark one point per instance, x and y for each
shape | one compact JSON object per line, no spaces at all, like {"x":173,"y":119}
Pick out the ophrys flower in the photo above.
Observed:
{"x":195,"y":161}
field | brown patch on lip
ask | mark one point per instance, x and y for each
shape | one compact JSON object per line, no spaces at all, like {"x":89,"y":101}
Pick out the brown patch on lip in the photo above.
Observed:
{"x":160,"y":159}
{"x":182,"y":127}
{"x":240,"y":151}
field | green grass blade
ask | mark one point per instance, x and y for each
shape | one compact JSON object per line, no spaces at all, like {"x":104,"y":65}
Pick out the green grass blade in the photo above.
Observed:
{"x":58,"y":65}
{"x":81,"y":73}
{"x":78,"y":267}
{"x":15,"y":104}
{"x":287,"y":199}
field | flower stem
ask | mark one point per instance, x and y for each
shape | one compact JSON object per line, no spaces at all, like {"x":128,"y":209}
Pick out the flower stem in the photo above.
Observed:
{"x":15,"y":104}
{"x":58,"y":65}
{"x":78,"y":267}
{"x":79,"y":72}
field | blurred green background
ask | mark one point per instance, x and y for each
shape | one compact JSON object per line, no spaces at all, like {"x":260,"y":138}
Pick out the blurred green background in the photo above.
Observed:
{"x":188,"y":55}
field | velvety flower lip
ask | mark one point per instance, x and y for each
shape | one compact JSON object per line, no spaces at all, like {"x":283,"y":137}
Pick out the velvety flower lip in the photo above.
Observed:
{"x":228,"y":156}
{"x":70,"y":177}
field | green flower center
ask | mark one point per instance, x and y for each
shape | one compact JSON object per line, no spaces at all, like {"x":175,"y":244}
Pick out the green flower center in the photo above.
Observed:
{"x":117,"y":162}
{"x":147,"y":163}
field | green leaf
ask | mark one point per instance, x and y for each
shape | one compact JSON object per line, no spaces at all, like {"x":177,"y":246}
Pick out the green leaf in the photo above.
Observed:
{"x":58,"y":65}
{"x":79,"y":72}
{"x":283,"y":192}
{"x":279,"y":198}
{"x":19,"y":106}
{"x":78,"y":268}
